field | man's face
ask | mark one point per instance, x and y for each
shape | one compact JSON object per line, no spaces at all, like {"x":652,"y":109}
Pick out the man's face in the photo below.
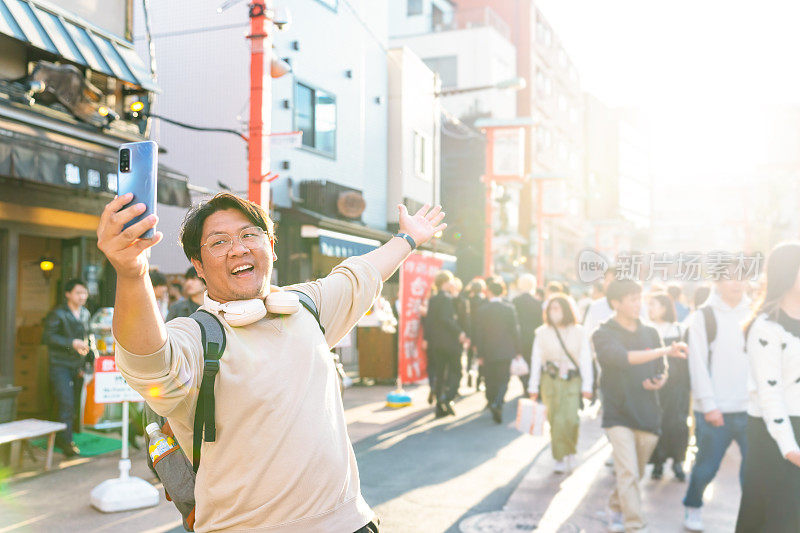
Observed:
{"x":77,"y":296}
{"x":629,"y":306}
{"x":193,"y":287}
{"x":161,"y":291}
{"x":247,"y":283}
{"x":731,"y":289}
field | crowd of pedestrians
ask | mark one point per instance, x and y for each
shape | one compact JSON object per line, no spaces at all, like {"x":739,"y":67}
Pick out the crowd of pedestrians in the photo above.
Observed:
{"x":720,"y":369}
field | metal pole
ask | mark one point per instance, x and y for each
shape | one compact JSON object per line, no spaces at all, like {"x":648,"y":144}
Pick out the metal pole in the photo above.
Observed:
{"x":124,"y":463}
{"x":260,"y":105}
{"x":488,"y":260}
{"x":539,"y":233}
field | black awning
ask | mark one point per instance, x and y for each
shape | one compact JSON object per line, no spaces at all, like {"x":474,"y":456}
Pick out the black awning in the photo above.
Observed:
{"x":43,"y":157}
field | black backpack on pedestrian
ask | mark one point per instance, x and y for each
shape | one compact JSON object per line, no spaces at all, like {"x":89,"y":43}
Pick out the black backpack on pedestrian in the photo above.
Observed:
{"x":710,"y":321}
{"x":172,"y":467}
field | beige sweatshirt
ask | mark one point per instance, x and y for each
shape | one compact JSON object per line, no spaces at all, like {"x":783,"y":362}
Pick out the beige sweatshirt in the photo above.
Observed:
{"x":282,"y":460}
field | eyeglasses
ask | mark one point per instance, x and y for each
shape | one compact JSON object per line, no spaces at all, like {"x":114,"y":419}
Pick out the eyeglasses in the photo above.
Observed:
{"x":252,"y":238}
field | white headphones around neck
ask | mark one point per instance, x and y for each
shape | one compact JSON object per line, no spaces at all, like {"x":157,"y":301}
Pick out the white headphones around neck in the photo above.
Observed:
{"x":244,"y":312}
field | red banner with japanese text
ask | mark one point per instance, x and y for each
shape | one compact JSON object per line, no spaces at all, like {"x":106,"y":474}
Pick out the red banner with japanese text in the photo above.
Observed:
{"x":416,"y":279}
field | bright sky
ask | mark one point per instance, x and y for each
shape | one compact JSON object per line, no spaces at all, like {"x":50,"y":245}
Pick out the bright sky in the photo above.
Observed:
{"x":703,"y":70}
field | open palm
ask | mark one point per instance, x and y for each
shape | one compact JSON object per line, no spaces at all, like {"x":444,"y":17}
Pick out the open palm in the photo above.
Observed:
{"x":424,"y":224}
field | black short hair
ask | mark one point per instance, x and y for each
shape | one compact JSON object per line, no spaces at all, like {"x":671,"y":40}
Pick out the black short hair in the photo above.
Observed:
{"x":674,"y":291}
{"x":157,"y":278}
{"x":496,"y":286}
{"x":74,"y":282}
{"x":620,"y":288}
{"x":192,"y":228}
{"x":191,"y":273}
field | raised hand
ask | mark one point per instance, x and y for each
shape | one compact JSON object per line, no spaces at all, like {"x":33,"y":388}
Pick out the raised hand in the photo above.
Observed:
{"x":424,"y":224}
{"x":124,"y":249}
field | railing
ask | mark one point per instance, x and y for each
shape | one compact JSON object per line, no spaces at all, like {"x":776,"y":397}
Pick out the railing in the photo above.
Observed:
{"x":474,"y":18}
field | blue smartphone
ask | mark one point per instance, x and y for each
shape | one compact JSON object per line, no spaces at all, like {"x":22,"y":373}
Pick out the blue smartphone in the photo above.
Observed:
{"x":137,"y":173}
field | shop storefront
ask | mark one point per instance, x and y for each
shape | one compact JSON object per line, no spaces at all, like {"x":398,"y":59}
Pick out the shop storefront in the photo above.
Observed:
{"x":70,"y":94}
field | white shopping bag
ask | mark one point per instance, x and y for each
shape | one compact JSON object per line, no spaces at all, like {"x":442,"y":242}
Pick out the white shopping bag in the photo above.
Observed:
{"x":531,"y":417}
{"x":519,"y":367}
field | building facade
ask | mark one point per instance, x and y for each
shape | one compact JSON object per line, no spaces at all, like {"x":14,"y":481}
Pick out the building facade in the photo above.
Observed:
{"x":71,"y":78}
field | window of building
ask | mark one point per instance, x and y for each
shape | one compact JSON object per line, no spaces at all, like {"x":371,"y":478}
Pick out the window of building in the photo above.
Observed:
{"x":414,"y":7}
{"x":315,"y":117}
{"x":446,"y":67}
{"x":541,"y":81}
{"x":333,"y":4}
{"x":562,"y":58}
{"x":574,"y":115}
{"x":422,"y":154}
{"x":562,"y":103}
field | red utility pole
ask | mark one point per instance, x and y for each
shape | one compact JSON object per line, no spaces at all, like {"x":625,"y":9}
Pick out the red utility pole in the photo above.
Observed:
{"x":489,"y":179}
{"x":260,"y":104}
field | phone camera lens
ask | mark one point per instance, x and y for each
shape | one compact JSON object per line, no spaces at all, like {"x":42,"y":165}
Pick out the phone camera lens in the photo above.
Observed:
{"x":125,"y":160}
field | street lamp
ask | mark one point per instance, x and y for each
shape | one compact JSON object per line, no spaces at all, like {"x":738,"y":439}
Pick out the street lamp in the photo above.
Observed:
{"x":515,"y":84}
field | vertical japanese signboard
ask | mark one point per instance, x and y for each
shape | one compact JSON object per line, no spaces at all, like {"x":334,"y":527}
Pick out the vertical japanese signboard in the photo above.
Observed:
{"x":416,"y":278}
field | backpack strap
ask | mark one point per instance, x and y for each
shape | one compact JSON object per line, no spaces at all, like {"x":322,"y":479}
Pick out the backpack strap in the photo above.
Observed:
{"x":710,"y":321}
{"x":213,"y":339}
{"x":309,"y":304}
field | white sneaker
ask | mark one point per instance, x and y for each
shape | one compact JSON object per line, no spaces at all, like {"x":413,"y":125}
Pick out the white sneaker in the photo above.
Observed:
{"x":571,"y":461}
{"x":693,"y":519}
{"x":560,"y":467}
{"x":616,"y":524}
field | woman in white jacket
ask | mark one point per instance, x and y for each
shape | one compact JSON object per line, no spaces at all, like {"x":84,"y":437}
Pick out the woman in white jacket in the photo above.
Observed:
{"x":561,"y":366}
{"x":771,"y":486}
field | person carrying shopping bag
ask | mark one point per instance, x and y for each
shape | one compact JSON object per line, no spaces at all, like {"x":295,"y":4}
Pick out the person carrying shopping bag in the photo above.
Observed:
{"x":561,"y":371}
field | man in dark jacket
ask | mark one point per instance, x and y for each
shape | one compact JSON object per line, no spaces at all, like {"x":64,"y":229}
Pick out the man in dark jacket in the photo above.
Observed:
{"x":193,"y":291}
{"x":497,"y":337}
{"x":445,"y":339}
{"x":632,"y":361}
{"x":529,"y":313}
{"x":66,"y":334}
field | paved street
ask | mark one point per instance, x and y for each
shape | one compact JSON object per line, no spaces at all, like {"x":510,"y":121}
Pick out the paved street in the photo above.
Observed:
{"x":420,"y":474}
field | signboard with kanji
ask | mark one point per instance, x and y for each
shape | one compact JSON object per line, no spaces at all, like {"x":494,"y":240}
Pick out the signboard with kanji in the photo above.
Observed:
{"x":508,"y":155}
{"x":416,"y":278}
{"x":109,"y":385}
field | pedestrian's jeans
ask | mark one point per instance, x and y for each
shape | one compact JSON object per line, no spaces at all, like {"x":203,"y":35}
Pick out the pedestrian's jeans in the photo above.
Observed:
{"x":712,"y":443}
{"x":562,"y":398}
{"x":67,"y":390}
{"x":497,"y":374}
{"x":631,"y":450}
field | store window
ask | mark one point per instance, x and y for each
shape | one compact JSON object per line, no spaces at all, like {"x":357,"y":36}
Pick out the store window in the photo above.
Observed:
{"x":414,"y":7}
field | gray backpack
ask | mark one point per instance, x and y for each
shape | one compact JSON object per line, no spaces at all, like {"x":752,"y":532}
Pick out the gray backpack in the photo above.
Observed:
{"x":175,"y":471}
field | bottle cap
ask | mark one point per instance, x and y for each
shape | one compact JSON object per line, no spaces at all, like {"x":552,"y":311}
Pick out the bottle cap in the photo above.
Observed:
{"x":152,"y":428}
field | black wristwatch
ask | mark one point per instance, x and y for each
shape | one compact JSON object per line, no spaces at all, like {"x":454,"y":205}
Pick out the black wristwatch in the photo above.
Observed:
{"x":408,"y":239}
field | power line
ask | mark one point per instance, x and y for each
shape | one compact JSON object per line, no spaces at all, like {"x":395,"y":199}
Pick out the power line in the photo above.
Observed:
{"x":199,"y":128}
{"x":195,"y":31}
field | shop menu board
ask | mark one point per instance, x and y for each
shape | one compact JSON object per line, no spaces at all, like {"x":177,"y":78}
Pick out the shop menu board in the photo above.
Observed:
{"x":416,"y":278}
{"x":109,"y":385}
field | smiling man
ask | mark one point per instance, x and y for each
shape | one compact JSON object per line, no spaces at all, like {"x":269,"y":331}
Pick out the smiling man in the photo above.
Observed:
{"x":282,"y":460}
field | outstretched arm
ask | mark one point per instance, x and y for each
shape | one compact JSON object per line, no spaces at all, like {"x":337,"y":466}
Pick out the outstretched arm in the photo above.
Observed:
{"x":138,"y":325}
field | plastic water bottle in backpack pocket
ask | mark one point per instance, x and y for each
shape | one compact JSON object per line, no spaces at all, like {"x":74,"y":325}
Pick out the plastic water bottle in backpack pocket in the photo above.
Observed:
{"x":170,"y":464}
